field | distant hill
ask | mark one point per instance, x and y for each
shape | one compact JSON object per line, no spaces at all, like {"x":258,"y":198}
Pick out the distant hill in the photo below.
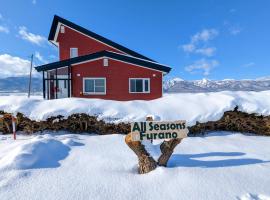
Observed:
{"x":205,"y":85}
{"x":19,"y":84}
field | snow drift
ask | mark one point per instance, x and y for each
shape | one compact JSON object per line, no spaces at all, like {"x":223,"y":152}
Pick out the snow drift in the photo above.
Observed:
{"x":218,"y":166}
{"x":40,"y":152}
{"x":200,"y":107}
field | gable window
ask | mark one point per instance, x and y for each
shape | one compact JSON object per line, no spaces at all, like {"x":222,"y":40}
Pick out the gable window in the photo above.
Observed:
{"x":94,"y":85}
{"x":105,"y":62}
{"x":73,"y":52}
{"x":62,"y":29}
{"x":139,"y":85}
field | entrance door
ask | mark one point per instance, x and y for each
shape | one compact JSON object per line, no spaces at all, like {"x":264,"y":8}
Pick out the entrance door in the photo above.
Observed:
{"x":62,"y":91}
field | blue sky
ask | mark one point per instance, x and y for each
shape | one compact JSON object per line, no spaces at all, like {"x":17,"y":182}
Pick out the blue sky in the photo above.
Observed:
{"x":199,"y":39}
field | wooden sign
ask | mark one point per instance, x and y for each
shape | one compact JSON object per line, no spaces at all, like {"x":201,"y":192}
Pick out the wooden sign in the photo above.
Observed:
{"x":151,"y":130}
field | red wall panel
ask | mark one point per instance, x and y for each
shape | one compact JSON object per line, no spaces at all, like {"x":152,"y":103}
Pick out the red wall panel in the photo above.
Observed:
{"x":85,"y":44}
{"x":117,"y":76}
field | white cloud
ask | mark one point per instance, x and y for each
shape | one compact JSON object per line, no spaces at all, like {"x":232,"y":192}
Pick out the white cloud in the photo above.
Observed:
{"x":4,"y":29}
{"x":31,"y":37}
{"x":250,"y":64}
{"x":40,"y":58}
{"x":208,"y":51}
{"x":11,"y":66}
{"x":204,"y":66}
{"x":204,"y":35}
{"x":232,"y":28}
{"x":189,"y":47}
{"x":201,"y":37}
{"x":235,"y":30}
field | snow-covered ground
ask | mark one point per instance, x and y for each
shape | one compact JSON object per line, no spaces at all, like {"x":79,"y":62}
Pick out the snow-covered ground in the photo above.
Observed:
{"x":192,"y":107}
{"x":219,"y":166}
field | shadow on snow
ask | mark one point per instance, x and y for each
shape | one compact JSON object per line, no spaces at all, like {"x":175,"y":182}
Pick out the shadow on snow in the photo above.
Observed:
{"x":192,"y":160}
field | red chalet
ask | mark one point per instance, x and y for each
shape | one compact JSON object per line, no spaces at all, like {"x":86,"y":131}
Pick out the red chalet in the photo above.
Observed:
{"x":91,"y":66}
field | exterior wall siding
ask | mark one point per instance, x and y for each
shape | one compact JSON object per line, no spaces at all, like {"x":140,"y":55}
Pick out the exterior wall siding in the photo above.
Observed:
{"x":117,"y":76}
{"x":85,"y":44}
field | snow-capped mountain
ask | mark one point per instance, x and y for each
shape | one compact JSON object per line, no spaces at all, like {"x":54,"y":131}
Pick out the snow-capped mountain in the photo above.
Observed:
{"x":205,"y":85}
{"x":20,"y":84}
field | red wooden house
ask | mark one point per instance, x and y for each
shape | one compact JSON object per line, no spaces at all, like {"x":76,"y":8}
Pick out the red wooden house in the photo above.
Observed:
{"x":92,"y":66}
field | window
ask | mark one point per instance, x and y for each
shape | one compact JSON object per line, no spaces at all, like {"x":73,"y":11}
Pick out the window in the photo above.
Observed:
{"x":94,"y":85}
{"x":139,"y":85}
{"x":62,"y":29}
{"x":73,"y":52}
{"x":105,"y":62}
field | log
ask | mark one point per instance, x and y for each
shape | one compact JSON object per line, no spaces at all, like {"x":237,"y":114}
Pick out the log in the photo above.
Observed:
{"x":146,"y":161}
{"x":166,"y":149}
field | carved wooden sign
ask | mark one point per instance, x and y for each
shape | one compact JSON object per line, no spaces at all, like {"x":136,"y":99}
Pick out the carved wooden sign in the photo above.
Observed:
{"x":151,"y":130}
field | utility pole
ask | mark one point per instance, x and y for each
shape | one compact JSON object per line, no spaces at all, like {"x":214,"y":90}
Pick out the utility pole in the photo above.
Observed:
{"x":30,"y":76}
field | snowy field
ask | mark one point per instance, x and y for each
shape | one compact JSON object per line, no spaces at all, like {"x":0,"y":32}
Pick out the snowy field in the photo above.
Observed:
{"x":192,"y":107}
{"x":219,"y":166}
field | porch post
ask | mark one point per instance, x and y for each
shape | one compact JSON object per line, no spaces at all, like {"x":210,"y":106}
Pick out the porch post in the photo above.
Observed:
{"x":43,"y":79}
{"x":56,"y":79}
{"x":69,"y":81}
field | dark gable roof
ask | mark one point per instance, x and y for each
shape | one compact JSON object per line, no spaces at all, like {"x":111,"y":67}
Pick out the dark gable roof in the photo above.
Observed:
{"x":58,"y":19}
{"x":109,"y":54}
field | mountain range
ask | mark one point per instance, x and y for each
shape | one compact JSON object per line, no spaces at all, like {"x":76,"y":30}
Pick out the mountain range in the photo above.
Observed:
{"x":179,"y":85}
{"x":20,"y":84}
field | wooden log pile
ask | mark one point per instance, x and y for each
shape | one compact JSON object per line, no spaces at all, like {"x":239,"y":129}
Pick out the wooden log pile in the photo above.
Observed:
{"x":76,"y":123}
{"x":235,"y":121}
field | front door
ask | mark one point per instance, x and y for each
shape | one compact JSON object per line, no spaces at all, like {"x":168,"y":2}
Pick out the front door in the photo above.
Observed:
{"x":62,"y":91}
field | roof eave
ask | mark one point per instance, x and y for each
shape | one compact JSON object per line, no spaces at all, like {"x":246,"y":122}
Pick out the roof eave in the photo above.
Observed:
{"x":89,"y":57}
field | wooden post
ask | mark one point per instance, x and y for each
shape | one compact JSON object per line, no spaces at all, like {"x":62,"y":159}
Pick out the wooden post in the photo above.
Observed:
{"x":30,"y":76}
{"x":69,"y":81}
{"x":146,"y":161}
{"x":43,"y":79}
{"x":56,"y":79}
{"x":14,"y":127}
{"x":166,"y":149}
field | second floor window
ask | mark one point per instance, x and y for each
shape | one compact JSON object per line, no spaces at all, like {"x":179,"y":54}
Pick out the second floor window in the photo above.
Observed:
{"x":73,"y":52}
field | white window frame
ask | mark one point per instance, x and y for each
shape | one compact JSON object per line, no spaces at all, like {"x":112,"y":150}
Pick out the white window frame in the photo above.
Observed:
{"x":105,"y":62}
{"x":71,"y":49}
{"x":143,"y":79}
{"x":94,"y":78}
{"x":62,"y":29}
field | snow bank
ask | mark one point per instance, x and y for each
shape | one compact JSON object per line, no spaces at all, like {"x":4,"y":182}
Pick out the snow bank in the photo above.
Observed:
{"x":218,"y":166}
{"x":200,"y":107}
{"x":40,"y":152}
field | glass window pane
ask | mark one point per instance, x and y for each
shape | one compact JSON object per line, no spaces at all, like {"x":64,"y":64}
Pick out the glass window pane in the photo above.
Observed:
{"x":139,"y":85}
{"x":133,"y":85}
{"x":73,"y":52}
{"x":146,"y":86}
{"x":89,"y":86}
{"x":99,"y":89}
{"x":99,"y":82}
